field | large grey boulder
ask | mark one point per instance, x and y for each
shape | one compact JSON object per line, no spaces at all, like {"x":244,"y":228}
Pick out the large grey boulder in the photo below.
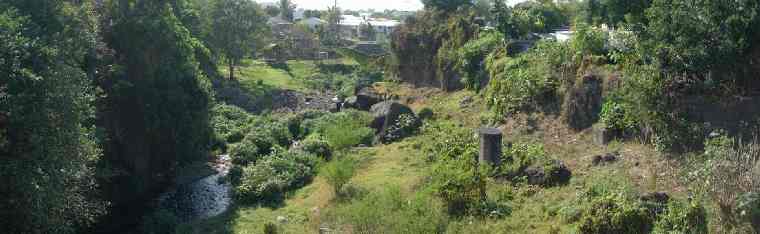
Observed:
{"x":365,"y":98}
{"x":386,"y":118}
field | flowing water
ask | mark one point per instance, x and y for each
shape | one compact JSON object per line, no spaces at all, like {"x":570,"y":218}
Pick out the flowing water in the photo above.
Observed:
{"x":204,"y":198}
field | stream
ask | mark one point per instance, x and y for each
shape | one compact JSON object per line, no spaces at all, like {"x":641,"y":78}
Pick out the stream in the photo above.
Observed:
{"x":200,"y":199}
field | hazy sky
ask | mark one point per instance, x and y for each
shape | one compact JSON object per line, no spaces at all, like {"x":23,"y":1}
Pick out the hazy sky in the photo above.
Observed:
{"x":409,"y":5}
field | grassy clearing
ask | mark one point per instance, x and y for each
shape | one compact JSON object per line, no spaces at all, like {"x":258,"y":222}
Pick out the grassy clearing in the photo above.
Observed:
{"x":290,"y":76}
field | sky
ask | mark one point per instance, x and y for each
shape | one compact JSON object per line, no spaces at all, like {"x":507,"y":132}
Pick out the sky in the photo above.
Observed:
{"x":379,"y":5}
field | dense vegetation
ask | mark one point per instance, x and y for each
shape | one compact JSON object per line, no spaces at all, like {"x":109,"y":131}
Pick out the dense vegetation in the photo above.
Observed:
{"x":103,"y":103}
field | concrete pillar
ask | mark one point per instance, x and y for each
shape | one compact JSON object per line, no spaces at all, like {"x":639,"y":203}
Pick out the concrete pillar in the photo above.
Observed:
{"x":490,"y":146}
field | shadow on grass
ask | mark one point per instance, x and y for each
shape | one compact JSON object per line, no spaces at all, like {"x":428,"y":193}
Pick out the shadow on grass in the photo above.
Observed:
{"x":254,"y":97}
{"x":221,"y":224}
{"x":283,"y":66}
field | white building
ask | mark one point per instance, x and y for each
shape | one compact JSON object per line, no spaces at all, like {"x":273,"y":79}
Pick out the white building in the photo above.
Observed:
{"x":350,"y":25}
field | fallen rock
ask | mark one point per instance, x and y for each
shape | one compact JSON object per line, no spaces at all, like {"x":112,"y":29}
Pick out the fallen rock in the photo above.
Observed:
{"x":606,"y":158}
{"x":386,"y":116}
{"x":282,"y":219}
{"x":552,"y":173}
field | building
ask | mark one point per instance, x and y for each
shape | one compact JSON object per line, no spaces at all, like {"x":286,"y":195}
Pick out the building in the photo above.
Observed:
{"x":350,"y":25}
{"x":312,"y":22}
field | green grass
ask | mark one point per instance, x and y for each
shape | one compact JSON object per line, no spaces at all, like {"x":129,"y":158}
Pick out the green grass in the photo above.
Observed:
{"x":290,"y":76}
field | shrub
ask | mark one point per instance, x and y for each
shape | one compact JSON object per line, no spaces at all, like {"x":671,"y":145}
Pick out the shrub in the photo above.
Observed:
{"x":294,"y":121}
{"x":342,"y":129}
{"x":277,"y":132}
{"x":160,"y":221}
{"x":254,"y":146}
{"x":526,"y":80}
{"x":588,"y":41}
{"x":519,"y":156}
{"x":426,"y":113}
{"x":317,"y":146}
{"x":458,"y":182}
{"x":230,"y":122}
{"x":616,"y":116}
{"x":615,"y":213}
{"x":682,"y":217}
{"x":338,"y":173}
{"x":447,"y":141}
{"x":470,"y":59}
{"x":235,"y":174}
{"x":245,"y":153}
{"x":268,"y":179}
{"x":732,"y":176}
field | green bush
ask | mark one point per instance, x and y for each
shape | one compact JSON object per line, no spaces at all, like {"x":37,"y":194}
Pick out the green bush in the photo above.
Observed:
{"x":268,"y":180}
{"x":338,"y":173}
{"x":254,"y":146}
{"x":230,"y":122}
{"x":294,"y":121}
{"x":317,"y":146}
{"x":458,"y":182}
{"x":447,"y":141}
{"x":161,"y":221}
{"x":235,"y":174}
{"x":470,"y":58}
{"x":588,"y":41}
{"x":520,"y":156}
{"x":426,"y":113}
{"x":682,"y":217}
{"x":616,"y":116}
{"x":342,"y":129}
{"x":615,"y":213}
{"x":277,"y":132}
{"x":523,"y":81}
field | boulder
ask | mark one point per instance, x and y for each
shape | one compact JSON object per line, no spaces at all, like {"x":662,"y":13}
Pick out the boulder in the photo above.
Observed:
{"x":606,"y":158}
{"x":552,"y":173}
{"x":364,"y":99}
{"x":386,"y":114}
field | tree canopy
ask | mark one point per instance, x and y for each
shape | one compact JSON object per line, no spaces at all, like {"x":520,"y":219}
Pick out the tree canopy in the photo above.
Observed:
{"x":235,"y":24}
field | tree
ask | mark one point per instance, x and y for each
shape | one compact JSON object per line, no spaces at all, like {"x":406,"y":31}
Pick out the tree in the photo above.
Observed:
{"x":446,"y":5}
{"x":312,"y":13}
{"x":286,"y":10}
{"x":155,"y":104}
{"x":504,"y":21}
{"x":697,"y":38}
{"x":619,"y":11}
{"x":367,"y":32}
{"x":47,"y":141}
{"x":330,"y":36}
{"x":272,"y":11}
{"x":234,"y":29}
